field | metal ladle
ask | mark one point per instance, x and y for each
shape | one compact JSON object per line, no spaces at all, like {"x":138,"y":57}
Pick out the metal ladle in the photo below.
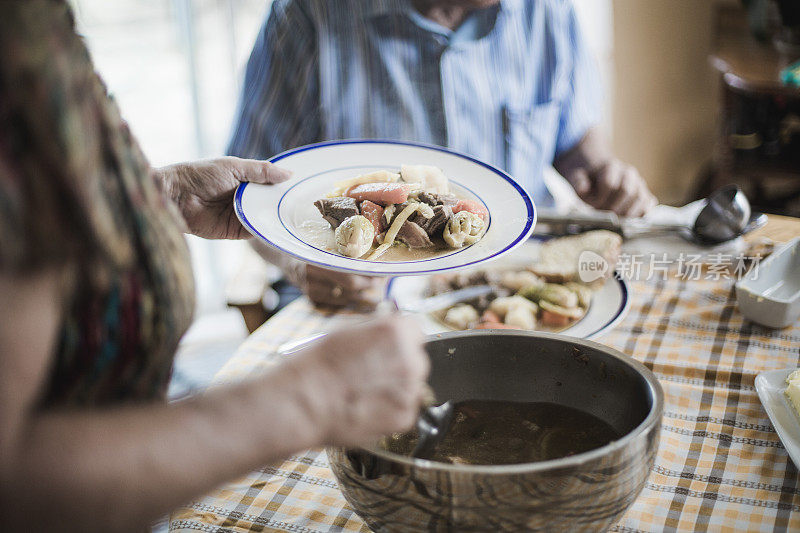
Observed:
{"x":432,"y":426}
{"x":725,"y":216}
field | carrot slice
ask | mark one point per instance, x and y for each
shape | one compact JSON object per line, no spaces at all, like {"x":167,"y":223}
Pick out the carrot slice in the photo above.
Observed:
{"x":490,"y":316}
{"x":554,"y":320}
{"x":380,"y":193}
{"x":374,"y":213}
{"x":473,"y":206}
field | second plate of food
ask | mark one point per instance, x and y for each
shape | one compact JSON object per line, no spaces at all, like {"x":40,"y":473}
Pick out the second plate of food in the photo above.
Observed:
{"x":771,"y":387}
{"x":536,"y":287}
{"x":387,"y":208}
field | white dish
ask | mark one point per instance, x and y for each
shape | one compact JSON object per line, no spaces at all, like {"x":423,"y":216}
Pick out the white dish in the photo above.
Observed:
{"x":609,"y":304}
{"x":770,"y":386}
{"x":284,"y":217}
{"x":770,"y":293}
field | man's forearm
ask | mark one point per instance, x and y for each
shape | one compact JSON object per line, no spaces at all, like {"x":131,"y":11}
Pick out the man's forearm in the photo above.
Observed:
{"x":105,"y":471}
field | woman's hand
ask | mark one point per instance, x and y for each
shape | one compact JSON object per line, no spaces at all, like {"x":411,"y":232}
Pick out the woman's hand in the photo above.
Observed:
{"x":203,"y":191}
{"x":364,"y":382}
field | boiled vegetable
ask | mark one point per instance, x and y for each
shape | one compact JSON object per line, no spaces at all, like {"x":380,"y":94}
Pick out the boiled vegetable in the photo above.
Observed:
{"x":380,"y":193}
{"x":463,"y":228}
{"x":354,"y":236}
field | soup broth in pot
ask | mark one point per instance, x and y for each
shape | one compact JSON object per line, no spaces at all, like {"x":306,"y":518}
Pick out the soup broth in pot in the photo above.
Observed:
{"x":487,"y":432}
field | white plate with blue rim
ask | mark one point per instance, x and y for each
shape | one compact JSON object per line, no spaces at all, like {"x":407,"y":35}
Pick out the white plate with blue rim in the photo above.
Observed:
{"x":283,"y":216}
{"x":771,"y":387}
{"x":610,"y":302}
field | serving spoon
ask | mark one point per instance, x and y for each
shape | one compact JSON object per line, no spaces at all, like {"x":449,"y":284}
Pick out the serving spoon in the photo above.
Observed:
{"x":432,"y":426}
{"x":726,"y":215}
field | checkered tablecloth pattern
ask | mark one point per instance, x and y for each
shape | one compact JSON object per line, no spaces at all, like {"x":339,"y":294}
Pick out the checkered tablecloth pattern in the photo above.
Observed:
{"x":720,"y":466}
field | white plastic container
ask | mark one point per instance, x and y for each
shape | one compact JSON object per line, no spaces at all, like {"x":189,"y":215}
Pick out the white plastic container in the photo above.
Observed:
{"x":770,"y":294}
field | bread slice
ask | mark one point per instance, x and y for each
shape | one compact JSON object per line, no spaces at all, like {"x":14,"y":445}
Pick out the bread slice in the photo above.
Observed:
{"x":558,"y":258}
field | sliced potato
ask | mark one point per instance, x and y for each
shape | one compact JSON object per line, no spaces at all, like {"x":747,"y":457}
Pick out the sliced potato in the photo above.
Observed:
{"x":584,"y":293}
{"x":461,"y":316}
{"x":501,"y":306}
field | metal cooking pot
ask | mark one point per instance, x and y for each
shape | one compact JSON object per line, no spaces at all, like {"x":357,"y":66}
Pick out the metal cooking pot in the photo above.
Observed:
{"x":587,"y":491}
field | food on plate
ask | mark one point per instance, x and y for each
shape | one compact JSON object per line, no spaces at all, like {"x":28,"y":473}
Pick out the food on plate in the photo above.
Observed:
{"x":381,"y":176}
{"x":556,"y":316}
{"x":431,"y":179}
{"x":463,"y":228}
{"x":517,"y":280}
{"x":793,"y":390}
{"x":470,"y":206}
{"x":491,"y":432}
{"x":413,"y":210}
{"x":354,"y":236}
{"x":374,"y":213}
{"x":380,"y":193}
{"x":558,"y":260}
{"x":335,"y":210}
{"x":515,"y":311}
{"x":461,"y":316}
{"x":536,"y":305}
{"x":521,"y":298}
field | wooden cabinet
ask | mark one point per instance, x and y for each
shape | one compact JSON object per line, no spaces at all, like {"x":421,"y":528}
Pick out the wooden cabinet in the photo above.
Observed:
{"x":758,"y":142}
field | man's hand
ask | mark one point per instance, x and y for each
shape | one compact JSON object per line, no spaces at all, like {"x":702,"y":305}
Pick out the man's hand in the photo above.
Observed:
{"x":613,"y":186}
{"x":203,"y":191}
{"x":336,"y":289}
{"x":603,"y":181}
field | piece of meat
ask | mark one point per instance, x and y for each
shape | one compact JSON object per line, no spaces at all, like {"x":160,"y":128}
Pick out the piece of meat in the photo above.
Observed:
{"x":414,"y":236}
{"x":435,"y":225}
{"x":473,"y":206}
{"x":335,"y":210}
{"x":380,"y":193}
{"x":434,"y":199}
{"x":374,"y":213}
{"x":462,"y":280}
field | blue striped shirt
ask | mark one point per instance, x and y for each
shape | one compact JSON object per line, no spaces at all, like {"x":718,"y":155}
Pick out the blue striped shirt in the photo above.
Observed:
{"x":514,"y":85}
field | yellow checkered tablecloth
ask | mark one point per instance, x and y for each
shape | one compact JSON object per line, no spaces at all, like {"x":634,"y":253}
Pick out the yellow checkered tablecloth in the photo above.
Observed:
{"x":720,"y":465}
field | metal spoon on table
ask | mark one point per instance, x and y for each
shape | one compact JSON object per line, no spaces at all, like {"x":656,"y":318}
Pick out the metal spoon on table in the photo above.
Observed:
{"x":725,"y":216}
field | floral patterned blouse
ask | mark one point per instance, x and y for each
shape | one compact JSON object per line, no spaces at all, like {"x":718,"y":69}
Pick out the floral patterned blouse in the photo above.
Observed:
{"x":77,"y":197}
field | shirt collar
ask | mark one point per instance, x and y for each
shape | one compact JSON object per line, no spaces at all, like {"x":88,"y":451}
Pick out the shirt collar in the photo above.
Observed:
{"x":376,"y":8}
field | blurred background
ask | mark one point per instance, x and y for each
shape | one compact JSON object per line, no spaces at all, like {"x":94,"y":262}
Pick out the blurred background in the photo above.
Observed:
{"x":692,"y":102}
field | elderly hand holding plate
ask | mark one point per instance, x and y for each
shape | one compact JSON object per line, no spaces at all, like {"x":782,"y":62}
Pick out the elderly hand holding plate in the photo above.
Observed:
{"x":203,"y":191}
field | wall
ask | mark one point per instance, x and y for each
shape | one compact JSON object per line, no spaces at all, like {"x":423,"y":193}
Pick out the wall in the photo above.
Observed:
{"x":174,"y":67}
{"x":596,"y":20}
{"x":665,"y":92}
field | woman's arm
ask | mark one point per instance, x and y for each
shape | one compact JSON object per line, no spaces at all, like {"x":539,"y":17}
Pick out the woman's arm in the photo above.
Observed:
{"x":119,"y":468}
